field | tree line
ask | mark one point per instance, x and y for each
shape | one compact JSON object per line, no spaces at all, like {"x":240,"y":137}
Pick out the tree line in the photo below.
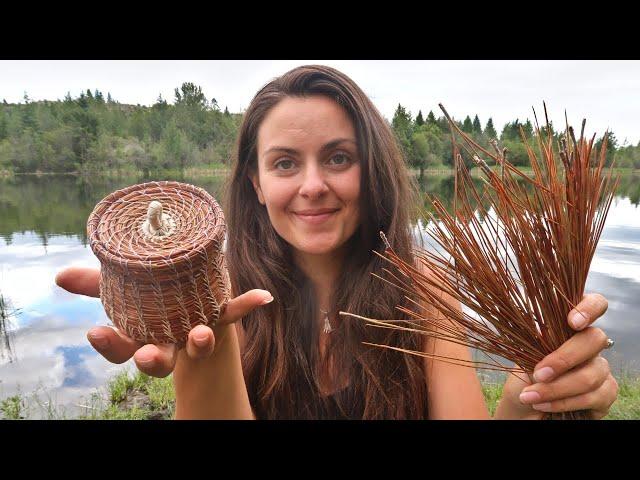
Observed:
{"x":90,"y":134}
{"x":426,"y":142}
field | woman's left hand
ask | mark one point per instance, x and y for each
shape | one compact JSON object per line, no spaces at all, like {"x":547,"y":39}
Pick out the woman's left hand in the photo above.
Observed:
{"x":573,"y":377}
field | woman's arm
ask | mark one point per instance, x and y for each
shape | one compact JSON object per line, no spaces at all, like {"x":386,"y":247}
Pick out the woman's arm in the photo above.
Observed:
{"x":455,"y":392}
{"x":213,"y":387}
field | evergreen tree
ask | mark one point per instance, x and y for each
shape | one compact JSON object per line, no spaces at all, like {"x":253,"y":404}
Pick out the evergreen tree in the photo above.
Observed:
{"x":419,"y":119}
{"x":190,"y":95}
{"x":431,"y":118}
{"x":612,"y":143}
{"x":443,"y":124}
{"x":110,"y":98}
{"x":477,"y":128}
{"x":82,"y":101}
{"x":161,"y":103}
{"x":511,"y":131}
{"x":467,"y":126}
{"x":402,"y":127}
{"x":28,"y":116}
{"x":157,"y":118}
{"x":489,"y":130}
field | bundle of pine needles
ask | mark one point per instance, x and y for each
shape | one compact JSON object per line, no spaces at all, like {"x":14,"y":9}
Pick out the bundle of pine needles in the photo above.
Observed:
{"x":521,"y":269}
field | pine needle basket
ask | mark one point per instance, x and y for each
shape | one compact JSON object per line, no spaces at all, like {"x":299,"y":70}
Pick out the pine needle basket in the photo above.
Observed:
{"x":163,"y":272}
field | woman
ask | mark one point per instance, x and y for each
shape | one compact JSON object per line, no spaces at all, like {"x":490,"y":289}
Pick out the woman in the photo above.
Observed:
{"x":317,"y":175}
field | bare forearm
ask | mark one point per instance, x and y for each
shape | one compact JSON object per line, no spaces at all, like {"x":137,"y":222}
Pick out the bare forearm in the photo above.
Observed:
{"x":212,"y":388}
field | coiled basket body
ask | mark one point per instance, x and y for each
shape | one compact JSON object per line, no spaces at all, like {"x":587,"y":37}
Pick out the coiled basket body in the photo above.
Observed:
{"x":157,"y":288}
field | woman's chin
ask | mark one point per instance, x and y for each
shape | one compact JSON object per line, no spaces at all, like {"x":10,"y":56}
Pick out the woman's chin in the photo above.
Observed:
{"x":317,"y":248}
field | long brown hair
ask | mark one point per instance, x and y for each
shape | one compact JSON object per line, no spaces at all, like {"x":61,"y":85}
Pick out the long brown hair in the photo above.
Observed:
{"x":281,"y":360}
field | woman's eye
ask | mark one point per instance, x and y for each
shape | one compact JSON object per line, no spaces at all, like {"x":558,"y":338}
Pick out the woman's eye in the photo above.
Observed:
{"x":339,"y":159}
{"x":284,"y":165}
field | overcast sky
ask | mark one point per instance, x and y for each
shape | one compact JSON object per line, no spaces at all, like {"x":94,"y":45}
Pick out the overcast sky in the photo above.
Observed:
{"x":605,"y":92}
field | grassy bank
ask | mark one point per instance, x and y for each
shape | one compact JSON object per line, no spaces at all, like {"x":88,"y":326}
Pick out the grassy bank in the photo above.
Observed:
{"x":140,"y":397}
{"x":129,"y":171}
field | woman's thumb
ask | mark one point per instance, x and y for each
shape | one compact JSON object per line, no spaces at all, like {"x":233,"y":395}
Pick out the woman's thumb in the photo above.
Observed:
{"x":243,"y":304}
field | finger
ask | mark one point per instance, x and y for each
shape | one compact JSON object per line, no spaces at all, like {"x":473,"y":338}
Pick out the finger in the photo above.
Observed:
{"x":592,"y":306}
{"x":603,"y":412}
{"x":200,"y":342}
{"x":156,"y":360}
{"x":84,"y":281}
{"x":599,"y":400}
{"x":243,"y":304}
{"x":581,"y":347}
{"x":112,"y":344}
{"x":575,"y":382}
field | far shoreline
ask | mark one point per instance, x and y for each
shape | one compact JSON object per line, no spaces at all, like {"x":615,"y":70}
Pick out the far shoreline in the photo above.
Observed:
{"x":217,"y":171}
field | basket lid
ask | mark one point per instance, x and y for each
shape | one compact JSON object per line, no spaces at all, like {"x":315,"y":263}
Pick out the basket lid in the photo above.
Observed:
{"x":155,"y":224}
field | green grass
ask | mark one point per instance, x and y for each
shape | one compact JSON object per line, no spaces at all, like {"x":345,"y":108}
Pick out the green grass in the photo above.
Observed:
{"x":626,"y":407}
{"x":492,"y":392}
{"x":12,"y":408}
{"x":134,"y":397}
{"x":140,"y":397}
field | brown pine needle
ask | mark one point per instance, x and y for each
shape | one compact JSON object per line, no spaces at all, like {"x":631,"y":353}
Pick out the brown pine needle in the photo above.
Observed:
{"x":520,"y":269}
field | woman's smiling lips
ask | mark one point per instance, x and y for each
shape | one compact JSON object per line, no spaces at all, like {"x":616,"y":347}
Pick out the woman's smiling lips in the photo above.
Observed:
{"x":315,"y":216}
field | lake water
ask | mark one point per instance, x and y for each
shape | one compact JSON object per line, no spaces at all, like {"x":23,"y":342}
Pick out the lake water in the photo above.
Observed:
{"x":43,"y":345}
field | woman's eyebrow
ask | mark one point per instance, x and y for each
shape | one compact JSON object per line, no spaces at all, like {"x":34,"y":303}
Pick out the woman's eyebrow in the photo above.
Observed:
{"x":335,"y":143}
{"x":291,"y":151}
{"x":325,"y":147}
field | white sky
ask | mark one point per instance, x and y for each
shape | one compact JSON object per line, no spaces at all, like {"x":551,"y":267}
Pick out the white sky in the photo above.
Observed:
{"x":606,"y":92}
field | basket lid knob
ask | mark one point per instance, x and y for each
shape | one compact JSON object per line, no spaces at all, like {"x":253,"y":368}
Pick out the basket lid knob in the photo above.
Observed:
{"x":157,"y":224}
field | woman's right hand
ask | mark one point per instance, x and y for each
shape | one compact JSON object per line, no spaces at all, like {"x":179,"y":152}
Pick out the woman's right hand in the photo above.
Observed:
{"x":154,"y":360}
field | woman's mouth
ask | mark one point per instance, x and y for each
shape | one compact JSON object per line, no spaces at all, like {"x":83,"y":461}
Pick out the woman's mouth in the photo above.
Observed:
{"x":317,"y":216}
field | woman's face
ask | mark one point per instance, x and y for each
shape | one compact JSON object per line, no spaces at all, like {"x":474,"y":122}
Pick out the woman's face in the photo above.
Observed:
{"x":309,"y":173}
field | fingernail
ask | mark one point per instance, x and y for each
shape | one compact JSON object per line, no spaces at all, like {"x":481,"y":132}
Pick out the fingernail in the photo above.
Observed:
{"x":577,"y":320}
{"x":529,"y":397}
{"x":543,"y":374}
{"x":99,"y":341}
{"x":267,"y":300}
{"x":201,"y":340}
{"x":144,"y":361}
{"x":543,"y":407}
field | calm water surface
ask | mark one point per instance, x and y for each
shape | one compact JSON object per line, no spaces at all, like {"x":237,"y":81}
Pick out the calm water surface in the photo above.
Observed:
{"x":43,"y":345}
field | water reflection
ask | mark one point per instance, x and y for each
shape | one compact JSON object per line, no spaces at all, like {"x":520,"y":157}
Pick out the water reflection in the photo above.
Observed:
{"x":43,"y":229}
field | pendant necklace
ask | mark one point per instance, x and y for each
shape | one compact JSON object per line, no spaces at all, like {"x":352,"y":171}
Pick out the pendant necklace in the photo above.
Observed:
{"x":327,"y":324}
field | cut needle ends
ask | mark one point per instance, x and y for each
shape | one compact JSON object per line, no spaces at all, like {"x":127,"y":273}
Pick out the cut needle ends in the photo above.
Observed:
{"x":520,"y":270}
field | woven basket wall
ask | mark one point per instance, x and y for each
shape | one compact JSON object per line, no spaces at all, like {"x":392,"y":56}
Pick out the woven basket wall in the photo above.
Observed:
{"x":157,"y":288}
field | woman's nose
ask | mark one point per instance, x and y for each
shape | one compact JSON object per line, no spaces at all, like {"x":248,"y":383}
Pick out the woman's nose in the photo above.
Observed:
{"x":313,"y":183}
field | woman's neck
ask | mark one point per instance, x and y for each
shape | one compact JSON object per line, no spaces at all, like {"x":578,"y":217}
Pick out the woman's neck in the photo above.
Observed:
{"x":323,"y":271}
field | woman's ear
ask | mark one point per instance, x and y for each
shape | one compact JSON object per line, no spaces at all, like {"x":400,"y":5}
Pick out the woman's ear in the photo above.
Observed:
{"x":256,"y":186}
